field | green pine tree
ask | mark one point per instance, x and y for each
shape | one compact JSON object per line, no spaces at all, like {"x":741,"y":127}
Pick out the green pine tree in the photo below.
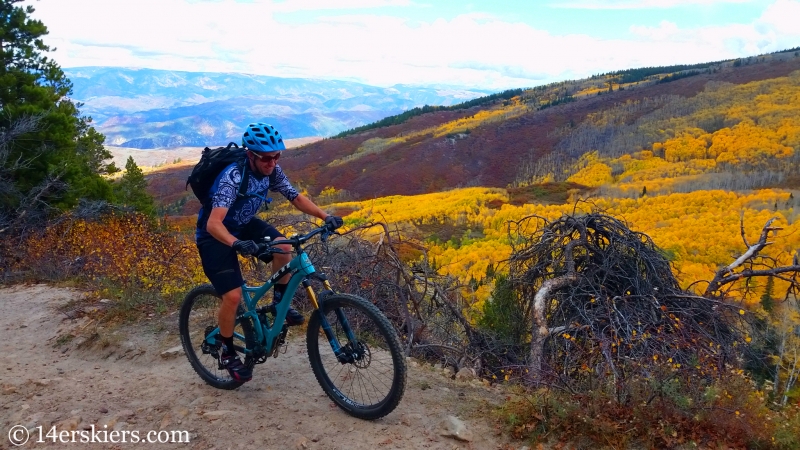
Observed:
{"x":490,"y":271}
{"x":131,"y":189}
{"x":503,"y":314}
{"x":767,"y":302}
{"x":45,"y":137}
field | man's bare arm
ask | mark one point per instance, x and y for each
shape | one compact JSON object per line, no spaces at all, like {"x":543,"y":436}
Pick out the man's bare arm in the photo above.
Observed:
{"x":305,"y":205}
{"x":215,"y":227}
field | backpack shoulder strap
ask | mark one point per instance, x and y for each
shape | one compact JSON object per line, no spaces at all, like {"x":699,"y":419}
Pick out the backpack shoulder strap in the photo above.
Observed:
{"x":273,"y":177}
{"x":245,"y":179}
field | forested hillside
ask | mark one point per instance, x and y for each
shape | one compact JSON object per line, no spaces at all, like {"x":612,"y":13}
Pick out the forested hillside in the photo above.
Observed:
{"x":467,"y":230}
{"x":642,"y":129}
{"x":507,"y":142}
{"x":682,"y":168}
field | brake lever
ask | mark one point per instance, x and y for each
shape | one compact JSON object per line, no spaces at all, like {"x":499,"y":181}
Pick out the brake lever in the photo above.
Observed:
{"x":273,"y":250}
{"x":265,"y":248}
{"x":328,"y":233}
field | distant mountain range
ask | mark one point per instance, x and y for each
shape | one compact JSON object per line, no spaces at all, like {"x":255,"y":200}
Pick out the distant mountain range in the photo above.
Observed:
{"x":553,"y":132}
{"x":146,"y":108}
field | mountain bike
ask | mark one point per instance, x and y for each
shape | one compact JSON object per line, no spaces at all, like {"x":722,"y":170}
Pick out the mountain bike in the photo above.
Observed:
{"x":353,"y":349}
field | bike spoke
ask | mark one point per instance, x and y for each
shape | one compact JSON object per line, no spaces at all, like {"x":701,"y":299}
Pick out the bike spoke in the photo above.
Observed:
{"x":201,"y":318}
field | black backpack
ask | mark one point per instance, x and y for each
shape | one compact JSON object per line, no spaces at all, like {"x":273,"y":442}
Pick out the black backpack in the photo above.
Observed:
{"x":212,"y":162}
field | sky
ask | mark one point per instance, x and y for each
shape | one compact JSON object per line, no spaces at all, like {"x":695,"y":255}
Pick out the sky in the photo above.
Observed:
{"x":483,"y":44}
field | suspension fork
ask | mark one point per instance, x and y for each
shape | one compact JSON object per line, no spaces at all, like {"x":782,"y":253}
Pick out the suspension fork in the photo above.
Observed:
{"x":326,"y":326}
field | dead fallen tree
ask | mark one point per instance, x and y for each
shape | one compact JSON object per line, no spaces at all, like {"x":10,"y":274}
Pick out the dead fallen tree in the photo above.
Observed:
{"x":604,"y":303}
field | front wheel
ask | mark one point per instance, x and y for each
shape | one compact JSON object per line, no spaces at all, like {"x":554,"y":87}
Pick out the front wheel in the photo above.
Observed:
{"x":197,"y":321}
{"x":368,"y":377}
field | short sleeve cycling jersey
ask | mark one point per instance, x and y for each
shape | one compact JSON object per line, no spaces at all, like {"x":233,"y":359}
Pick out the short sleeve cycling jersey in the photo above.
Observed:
{"x":224,"y":194}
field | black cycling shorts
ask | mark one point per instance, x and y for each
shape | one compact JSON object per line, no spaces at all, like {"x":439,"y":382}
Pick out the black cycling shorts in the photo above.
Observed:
{"x":220,"y":263}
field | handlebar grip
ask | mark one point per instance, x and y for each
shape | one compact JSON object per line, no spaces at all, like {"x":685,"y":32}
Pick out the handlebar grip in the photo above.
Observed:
{"x":269,"y":246}
{"x":265,"y":257}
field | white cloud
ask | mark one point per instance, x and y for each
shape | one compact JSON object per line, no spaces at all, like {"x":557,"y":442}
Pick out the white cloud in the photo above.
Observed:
{"x":637,"y":4}
{"x":321,"y":5}
{"x":783,"y":17}
{"x":475,"y":49}
{"x":775,"y":30}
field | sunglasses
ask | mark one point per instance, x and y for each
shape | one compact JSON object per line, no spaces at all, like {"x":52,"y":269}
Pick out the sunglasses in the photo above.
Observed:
{"x":265,"y":158}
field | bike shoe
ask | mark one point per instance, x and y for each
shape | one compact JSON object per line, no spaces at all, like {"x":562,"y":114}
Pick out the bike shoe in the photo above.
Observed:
{"x":293,"y":316}
{"x":238,"y":371}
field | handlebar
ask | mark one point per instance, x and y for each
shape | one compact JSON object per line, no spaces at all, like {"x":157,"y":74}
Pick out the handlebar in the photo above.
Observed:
{"x":295,"y":241}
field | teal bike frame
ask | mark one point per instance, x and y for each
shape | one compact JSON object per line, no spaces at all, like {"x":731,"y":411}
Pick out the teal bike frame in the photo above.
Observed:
{"x":299,"y":269}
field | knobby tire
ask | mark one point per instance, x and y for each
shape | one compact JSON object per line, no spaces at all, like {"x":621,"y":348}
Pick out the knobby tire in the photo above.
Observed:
{"x":198,"y":312}
{"x":348,"y":384}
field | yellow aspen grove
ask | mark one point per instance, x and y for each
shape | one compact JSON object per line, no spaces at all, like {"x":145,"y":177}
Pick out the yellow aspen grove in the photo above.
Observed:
{"x":698,"y":230}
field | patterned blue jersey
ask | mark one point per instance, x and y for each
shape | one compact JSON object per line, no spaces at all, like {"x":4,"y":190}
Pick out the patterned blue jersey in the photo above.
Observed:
{"x":223,"y":194}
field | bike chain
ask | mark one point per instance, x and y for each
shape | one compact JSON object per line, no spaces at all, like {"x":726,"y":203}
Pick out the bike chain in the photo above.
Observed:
{"x":280,"y":346}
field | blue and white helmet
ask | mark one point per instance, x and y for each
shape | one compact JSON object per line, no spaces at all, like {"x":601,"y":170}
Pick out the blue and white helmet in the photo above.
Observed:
{"x":262,"y":137}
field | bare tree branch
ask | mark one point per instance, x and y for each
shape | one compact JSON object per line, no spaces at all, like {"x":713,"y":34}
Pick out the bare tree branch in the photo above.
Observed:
{"x":747,"y":262}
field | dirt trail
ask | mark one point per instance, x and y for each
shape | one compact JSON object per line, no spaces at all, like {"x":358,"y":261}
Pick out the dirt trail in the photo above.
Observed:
{"x":122,"y":382}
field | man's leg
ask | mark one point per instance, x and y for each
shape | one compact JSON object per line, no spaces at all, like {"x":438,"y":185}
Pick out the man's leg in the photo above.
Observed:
{"x":227,"y":311}
{"x":227,"y":320}
{"x":257,"y":229}
{"x":222,"y":268}
{"x":281,"y":259}
{"x":293,"y":317}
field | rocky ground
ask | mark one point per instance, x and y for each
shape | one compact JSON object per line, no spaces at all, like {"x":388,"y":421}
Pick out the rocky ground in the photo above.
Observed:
{"x":127,"y":379}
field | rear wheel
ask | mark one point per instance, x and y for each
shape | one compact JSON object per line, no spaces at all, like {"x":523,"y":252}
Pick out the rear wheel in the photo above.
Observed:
{"x":368,"y":378}
{"x":199,"y":318}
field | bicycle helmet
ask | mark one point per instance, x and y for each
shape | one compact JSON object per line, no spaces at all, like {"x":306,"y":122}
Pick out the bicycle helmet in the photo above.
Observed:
{"x":262,"y":137}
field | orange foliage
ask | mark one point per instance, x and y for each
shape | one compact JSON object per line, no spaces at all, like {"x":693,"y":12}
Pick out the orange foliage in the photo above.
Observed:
{"x":748,"y":143}
{"x":686,"y":147}
{"x":127,"y":250}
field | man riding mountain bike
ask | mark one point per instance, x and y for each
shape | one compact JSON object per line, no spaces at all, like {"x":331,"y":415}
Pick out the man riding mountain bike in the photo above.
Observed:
{"x":227,"y":225}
